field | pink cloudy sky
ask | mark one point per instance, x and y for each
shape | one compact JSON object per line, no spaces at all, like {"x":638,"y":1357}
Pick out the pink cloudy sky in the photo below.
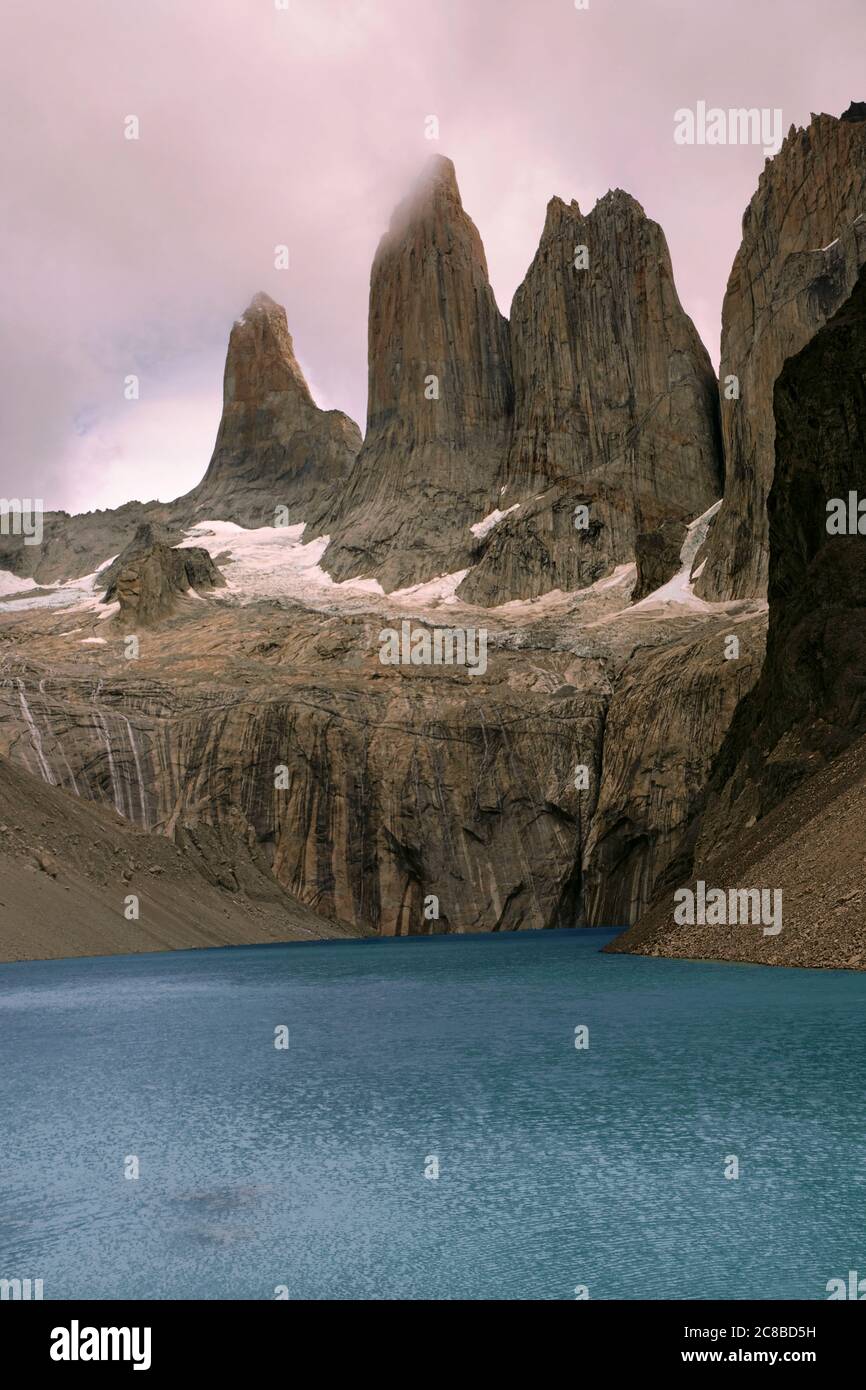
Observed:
{"x":304,"y":126}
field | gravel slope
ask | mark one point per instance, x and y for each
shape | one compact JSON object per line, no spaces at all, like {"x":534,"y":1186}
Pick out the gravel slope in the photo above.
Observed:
{"x":67,"y":867}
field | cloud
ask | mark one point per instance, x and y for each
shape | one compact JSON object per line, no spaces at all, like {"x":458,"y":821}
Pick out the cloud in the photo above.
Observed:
{"x":305,"y":126}
{"x":158,"y":449}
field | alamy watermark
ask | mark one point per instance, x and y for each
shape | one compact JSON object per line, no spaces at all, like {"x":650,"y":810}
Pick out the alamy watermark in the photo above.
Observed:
{"x":439,"y":646}
{"x":20,"y":1289}
{"x":737,"y":126}
{"x":846,"y":516}
{"x":22,"y":516}
{"x":719,"y":907}
{"x":77,"y":1343}
{"x":854,"y":1288}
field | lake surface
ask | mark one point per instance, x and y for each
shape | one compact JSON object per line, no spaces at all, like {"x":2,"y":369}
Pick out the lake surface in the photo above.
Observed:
{"x":304,"y":1167}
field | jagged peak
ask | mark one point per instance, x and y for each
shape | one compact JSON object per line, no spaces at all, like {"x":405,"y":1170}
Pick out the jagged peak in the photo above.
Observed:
{"x":820,"y":128}
{"x":566,"y":219}
{"x":558,"y":211}
{"x":619,"y":198}
{"x":263,"y":309}
{"x":267,"y":321}
{"x":856,"y":112}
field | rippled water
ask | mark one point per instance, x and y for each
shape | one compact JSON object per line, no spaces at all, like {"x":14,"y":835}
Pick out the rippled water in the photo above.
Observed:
{"x":305,"y":1167}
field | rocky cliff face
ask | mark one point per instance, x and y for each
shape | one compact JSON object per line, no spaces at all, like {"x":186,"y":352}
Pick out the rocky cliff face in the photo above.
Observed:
{"x":440,"y":398}
{"x":370,"y":789}
{"x":655,"y":821}
{"x":367,"y":788}
{"x":275,"y":447}
{"x":810,"y":703}
{"x":786,"y":795}
{"x":804,"y":241}
{"x":615,"y":406}
{"x":666,"y":722}
{"x":657,"y":556}
{"x":73,"y":546}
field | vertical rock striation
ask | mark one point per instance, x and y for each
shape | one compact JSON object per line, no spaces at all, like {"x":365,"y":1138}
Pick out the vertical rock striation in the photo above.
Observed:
{"x":804,"y":241}
{"x":810,"y":703}
{"x":615,"y":406}
{"x":785,"y":802}
{"x":394,"y":784}
{"x":440,"y":398}
{"x":667,"y":719}
{"x":275,"y":447}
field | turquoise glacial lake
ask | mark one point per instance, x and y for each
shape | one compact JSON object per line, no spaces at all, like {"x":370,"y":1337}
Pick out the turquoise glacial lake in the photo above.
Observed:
{"x":300,"y":1170}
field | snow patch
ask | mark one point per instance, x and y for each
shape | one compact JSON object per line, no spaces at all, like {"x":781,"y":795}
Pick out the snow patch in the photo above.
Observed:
{"x":622,"y":575}
{"x":71,"y":593}
{"x":271,"y":561}
{"x":486,"y":525}
{"x":679,"y":589}
{"x":443,"y":589}
{"x":11,"y":584}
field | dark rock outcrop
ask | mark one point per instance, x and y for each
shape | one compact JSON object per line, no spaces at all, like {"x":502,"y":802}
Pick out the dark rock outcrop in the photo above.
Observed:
{"x":440,"y":398}
{"x":856,"y":112}
{"x":804,"y":241}
{"x":147,"y":535}
{"x":776,"y":772}
{"x":810,"y":703}
{"x":150,"y":580}
{"x":657,"y":554}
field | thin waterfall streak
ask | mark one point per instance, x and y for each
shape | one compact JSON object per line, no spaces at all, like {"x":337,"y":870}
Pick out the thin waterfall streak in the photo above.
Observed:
{"x":137,"y":772}
{"x":69,"y":770}
{"x":103,"y":726}
{"x":35,"y":736}
{"x":60,"y":747}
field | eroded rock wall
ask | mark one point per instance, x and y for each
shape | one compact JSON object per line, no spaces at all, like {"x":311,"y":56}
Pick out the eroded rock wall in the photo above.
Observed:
{"x":275,"y":448}
{"x":615,"y":406}
{"x":784,"y":808}
{"x":439,"y":403}
{"x":667,"y":719}
{"x":366,"y":792}
{"x":804,"y":243}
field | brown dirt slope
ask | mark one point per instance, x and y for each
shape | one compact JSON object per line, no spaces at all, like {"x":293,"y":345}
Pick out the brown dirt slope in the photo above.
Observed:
{"x":813,"y":847}
{"x":67,"y":867}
